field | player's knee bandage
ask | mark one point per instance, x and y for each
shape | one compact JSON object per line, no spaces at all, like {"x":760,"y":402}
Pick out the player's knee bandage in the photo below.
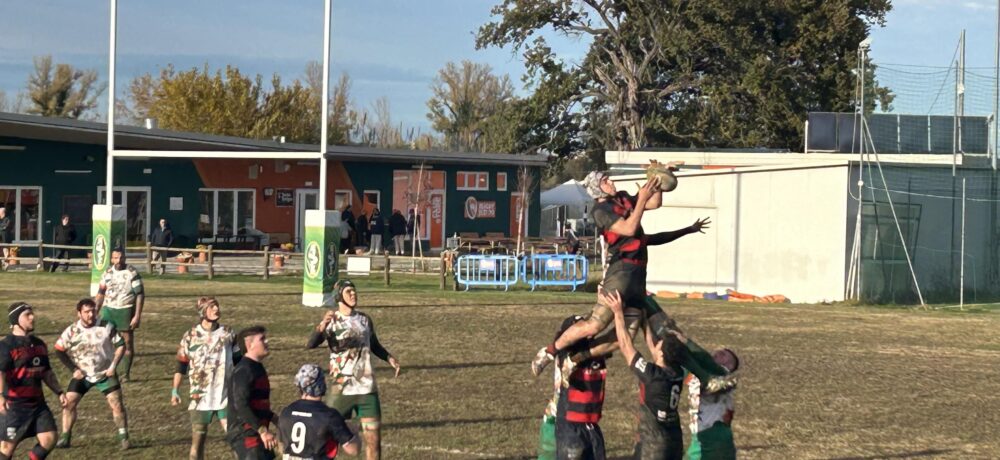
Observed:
{"x":370,"y":426}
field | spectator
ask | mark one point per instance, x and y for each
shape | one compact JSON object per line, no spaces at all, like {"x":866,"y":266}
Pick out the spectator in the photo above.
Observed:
{"x":345,"y":234}
{"x":361,"y":229}
{"x":6,"y":235}
{"x":377,"y":228}
{"x":163,"y":237}
{"x":348,"y":216}
{"x":397,"y":228}
{"x":65,"y":234}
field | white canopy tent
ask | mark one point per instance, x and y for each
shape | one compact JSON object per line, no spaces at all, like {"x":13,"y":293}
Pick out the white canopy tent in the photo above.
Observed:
{"x":568,"y":202}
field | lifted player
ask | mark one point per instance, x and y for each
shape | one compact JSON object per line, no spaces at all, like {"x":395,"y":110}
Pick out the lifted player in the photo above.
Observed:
{"x":91,"y":349}
{"x":350,"y":335}
{"x":310,"y":429}
{"x":206,"y":354}
{"x":119,"y":300}
{"x":618,"y":217}
{"x":249,"y":405}
{"x":24,"y":363}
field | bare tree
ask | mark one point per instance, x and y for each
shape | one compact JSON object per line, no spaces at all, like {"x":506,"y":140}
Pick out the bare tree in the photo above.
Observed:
{"x":526,"y":184}
{"x":62,"y":91}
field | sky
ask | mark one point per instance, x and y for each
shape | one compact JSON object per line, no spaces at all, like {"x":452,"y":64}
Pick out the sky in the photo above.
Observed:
{"x":390,"y":48}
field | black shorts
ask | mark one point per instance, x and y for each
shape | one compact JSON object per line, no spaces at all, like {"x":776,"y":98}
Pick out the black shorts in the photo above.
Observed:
{"x":658,"y":440}
{"x":22,"y":422}
{"x":629,"y":280}
{"x":249,"y":446}
{"x":579,"y":441}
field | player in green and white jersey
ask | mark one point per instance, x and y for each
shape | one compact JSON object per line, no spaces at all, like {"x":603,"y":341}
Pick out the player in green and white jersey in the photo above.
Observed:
{"x":120,"y":298}
{"x":91,"y":349}
{"x":206,"y":355}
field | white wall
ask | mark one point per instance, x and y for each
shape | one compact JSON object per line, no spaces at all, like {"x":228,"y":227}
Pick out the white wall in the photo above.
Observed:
{"x":775,"y":230}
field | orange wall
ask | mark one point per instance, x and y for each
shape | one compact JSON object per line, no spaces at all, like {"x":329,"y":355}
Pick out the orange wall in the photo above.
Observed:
{"x":224,"y":173}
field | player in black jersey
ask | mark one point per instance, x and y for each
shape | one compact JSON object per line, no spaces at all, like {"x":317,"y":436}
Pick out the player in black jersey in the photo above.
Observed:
{"x":24,"y":363}
{"x":249,"y":411}
{"x":660,"y":384}
{"x":308,"y":428}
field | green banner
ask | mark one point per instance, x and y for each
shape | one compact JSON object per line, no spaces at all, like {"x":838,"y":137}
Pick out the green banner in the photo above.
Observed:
{"x":109,"y":233}
{"x":321,"y":249}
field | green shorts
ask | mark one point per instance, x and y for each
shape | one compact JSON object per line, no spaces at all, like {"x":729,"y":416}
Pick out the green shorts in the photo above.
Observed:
{"x":362,"y":406}
{"x":204,"y":417}
{"x":121,"y":318}
{"x":715,"y":443}
{"x":107,"y":386}
{"x":547,"y":439}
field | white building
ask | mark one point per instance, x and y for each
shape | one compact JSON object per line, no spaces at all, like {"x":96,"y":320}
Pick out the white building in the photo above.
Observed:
{"x":785,"y":223}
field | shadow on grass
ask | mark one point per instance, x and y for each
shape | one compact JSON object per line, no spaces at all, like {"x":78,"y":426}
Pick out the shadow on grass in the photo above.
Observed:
{"x":470,"y":421}
{"x":919,"y":453}
{"x":431,"y":367}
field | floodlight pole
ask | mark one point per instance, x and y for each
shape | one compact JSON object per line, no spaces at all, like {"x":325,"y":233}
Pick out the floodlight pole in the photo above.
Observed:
{"x":112,"y":42}
{"x":325,"y":109}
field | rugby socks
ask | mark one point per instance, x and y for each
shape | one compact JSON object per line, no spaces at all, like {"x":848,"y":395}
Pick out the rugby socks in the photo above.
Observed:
{"x":38,"y":452}
{"x":122,"y":434}
{"x":127,"y":365}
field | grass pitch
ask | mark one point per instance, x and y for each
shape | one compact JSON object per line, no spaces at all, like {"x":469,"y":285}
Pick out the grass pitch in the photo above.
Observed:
{"x":818,"y":381}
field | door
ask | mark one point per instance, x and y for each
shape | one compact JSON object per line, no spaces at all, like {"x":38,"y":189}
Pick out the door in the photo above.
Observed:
{"x":304,"y":199}
{"x":515,"y":209}
{"x":435,"y":216}
{"x":135,"y":200}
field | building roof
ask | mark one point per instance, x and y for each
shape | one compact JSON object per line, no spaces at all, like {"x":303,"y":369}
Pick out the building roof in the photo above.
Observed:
{"x":138,"y":138}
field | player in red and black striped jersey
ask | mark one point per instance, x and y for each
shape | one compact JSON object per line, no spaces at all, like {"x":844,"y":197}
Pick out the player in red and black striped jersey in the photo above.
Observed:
{"x":308,"y":428}
{"x":618,"y":218}
{"x":581,"y":401}
{"x":249,"y":406}
{"x":24,"y":363}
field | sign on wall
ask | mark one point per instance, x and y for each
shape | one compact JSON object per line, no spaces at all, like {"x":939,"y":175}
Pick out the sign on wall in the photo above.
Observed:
{"x":475,"y":209}
{"x":284,"y":197}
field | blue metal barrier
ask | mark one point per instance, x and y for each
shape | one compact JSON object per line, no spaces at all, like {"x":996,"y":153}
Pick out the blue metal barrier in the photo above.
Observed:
{"x":555,"y":270}
{"x":486,"y":270}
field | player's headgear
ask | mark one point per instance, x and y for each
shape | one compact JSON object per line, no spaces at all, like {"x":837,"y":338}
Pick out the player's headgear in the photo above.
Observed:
{"x":14,"y":312}
{"x":204,"y":303}
{"x":339,"y":287}
{"x":310,"y":381}
{"x":593,"y":184}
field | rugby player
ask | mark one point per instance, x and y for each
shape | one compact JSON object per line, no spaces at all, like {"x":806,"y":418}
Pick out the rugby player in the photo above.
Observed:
{"x":581,"y":400}
{"x":307,"y":427}
{"x":90,"y":350}
{"x":711,"y":384}
{"x":24,"y":363}
{"x":660,"y":385}
{"x":350,"y":335}
{"x":206,"y":355}
{"x":249,"y":400}
{"x":120,"y":298}
{"x":618,"y":217}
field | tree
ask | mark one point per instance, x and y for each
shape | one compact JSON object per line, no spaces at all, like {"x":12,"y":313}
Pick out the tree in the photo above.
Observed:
{"x":463,"y":98}
{"x":233,"y":104}
{"x":712,"y":73}
{"x":62,"y":91}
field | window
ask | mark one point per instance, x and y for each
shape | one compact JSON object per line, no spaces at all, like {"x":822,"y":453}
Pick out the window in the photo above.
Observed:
{"x":226,"y":212}
{"x":880,"y":238}
{"x":501,"y":182}
{"x":373,"y":200}
{"x":341,"y":198}
{"x":469,"y":180}
{"x":24,"y":207}
{"x":135,"y":200}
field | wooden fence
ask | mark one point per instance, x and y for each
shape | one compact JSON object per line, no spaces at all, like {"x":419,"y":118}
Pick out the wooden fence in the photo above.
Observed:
{"x":209,"y":261}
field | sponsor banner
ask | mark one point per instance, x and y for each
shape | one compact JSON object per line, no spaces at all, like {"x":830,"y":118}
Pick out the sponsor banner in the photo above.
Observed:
{"x":321,"y":252}
{"x":475,"y":209}
{"x":109,"y":233}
